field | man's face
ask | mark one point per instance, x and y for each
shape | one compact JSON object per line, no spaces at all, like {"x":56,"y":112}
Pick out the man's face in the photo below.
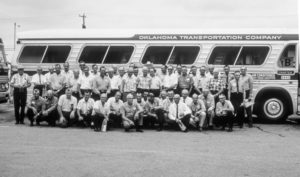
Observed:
{"x":179,"y":69}
{"x":86,"y":70}
{"x":36,"y":94}
{"x":139,"y":97}
{"x":82,"y":66}
{"x":76,"y":74}
{"x":184,"y":94}
{"x":130,"y":100}
{"x":194,"y":70}
{"x":49,"y":95}
{"x":39,"y":71}
{"x":151,"y":98}
{"x":202,"y":70}
{"x":103,"y":98}
{"x":103,"y":71}
{"x":66,"y":66}
{"x":176,"y":99}
{"x":243,"y":71}
{"x":216,"y":75}
{"x":163,"y":95}
{"x":145,"y":72}
{"x":211,"y":69}
{"x":95,"y":69}
{"x":129,"y":73}
{"x":118,"y":96}
{"x":170,"y":70}
{"x":152,"y":73}
{"x":57,"y":69}
{"x":121,"y":72}
{"x":51,"y":70}
{"x":20,"y":71}
{"x":205,"y":93}
{"x":195,"y":99}
{"x":237,"y":75}
{"x":68,"y":93}
{"x":136,"y":71}
{"x":226,"y":69}
{"x":170,"y":96}
{"x":184,"y":71}
{"x":110,"y":73}
{"x":222,"y":99}
{"x":86,"y":96}
{"x":163,"y":70}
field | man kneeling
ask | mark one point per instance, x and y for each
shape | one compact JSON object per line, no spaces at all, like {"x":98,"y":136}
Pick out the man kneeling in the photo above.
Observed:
{"x":35,"y":107}
{"x":224,"y":113}
{"x":198,"y":113}
{"x":179,"y":113}
{"x":100,"y":113}
{"x":84,"y":110}
{"x":67,"y":108}
{"x":131,"y":115}
{"x":49,"y":114}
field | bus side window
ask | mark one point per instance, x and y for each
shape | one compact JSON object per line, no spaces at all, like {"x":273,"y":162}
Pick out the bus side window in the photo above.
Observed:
{"x":252,"y":55}
{"x":32,"y":54}
{"x":184,"y":55}
{"x":93,"y":54}
{"x":118,"y":54}
{"x":288,"y":57}
{"x":224,"y":55}
{"x":57,"y":54}
{"x":157,"y":54}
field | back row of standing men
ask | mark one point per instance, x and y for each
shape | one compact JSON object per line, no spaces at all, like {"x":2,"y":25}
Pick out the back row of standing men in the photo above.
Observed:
{"x":110,"y":82}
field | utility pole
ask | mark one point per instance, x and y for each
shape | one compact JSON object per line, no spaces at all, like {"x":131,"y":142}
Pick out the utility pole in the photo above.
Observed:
{"x":83,"y":20}
{"x":15,"y":34}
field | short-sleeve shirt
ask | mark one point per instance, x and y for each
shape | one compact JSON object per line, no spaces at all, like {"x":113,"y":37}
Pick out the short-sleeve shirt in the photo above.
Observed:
{"x":103,"y":109}
{"x":38,"y":79}
{"x":50,"y":103}
{"x":129,"y":84}
{"x":155,"y":83}
{"x":86,"y":82}
{"x":19,"y":80}
{"x":37,"y":103}
{"x":86,"y":106}
{"x":185,"y":82}
{"x":144,"y":82}
{"x":101,"y":83}
{"x":129,"y":110}
{"x":216,"y":84}
{"x":113,"y":105}
{"x":199,"y":106}
{"x":57,"y":81}
{"x":66,"y":104}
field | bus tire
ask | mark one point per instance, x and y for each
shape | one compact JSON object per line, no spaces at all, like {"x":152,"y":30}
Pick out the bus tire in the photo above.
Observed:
{"x":273,"y":109}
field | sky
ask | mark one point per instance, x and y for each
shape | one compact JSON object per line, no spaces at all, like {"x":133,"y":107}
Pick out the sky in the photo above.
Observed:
{"x":170,"y":14}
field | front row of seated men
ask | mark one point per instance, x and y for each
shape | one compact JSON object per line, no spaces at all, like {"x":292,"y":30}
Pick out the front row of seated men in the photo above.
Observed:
{"x":182,"y":112}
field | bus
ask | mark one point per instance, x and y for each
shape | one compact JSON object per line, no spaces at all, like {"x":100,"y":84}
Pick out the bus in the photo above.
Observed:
{"x":4,"y":78}
{"x":271,"y":56}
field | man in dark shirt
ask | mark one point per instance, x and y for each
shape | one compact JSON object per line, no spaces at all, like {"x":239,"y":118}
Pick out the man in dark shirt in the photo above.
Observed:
{"x":35,"y":107}
{"x":49,"y":114}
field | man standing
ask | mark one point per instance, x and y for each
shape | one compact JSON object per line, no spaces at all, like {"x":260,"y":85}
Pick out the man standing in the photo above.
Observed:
{"x":247,"y":83}
{"x":131,"y":115}
{"x":35,"y":107}
{"x":143,"y":82}
{"x":100,"y":113}
{"x":170,"y":81}
{"x":210,"y":72}
{"x":224,"y":113}
{"x":209,"y":102}
{"x":86,"y":82}
{"x":226,"y":77}
{"x":129,"y":84}
{"x":58,"y":81}
{"x":235,"y":95}
{"x":66,"y":108}
{"x":194,"y":76}
{"x":94,"y":71}
{"x":155,"y":85}
{"x":115,"y":82}
{"x":198,"y":113}
{"x":84,"y":110}
{"x":179,"y":113}
{"x":20,"y":82}
{"x":38,"y":80}
{"x":185,"y":81}
{"x":101,"y":84}
{"x":66,"y":72}
{"x":203,"y":80}
{"x":216,"y":85}
{"x":185,"y":97}
{"x":49,"y":113}
{"x":48,"y":75}
{"x":73,"y":83}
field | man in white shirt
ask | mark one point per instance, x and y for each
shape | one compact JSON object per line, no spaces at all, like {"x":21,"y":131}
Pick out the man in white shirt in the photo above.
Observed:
{"x":58,"y":81}
{"x":185,"y":97}
{"x":38,"y":80}
{"x":210,"y":72}
{"x":73,"y":83}
{"x":100,"y":112}
{"x":155,"y":84}
{"x":84,"y":110}
{"x":114,"y":105}
{"x":66,"y":108}
{"x":86,"y":82}
{"x":224,"y":113}
{"x":47,"y":77}
{"x":179,"y":113}
{"x":171,"y":80}
{"x":115,"y":82}
{"x":67,"y":72}
{"x":198,"y":113}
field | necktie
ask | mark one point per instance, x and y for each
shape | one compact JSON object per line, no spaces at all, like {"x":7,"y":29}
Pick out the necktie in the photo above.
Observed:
{"x":176,"y":111}
{"x":237,"y":86}
{"x":40,"y":79}
{"x":227,"y":81}
{"x":184,"y":100}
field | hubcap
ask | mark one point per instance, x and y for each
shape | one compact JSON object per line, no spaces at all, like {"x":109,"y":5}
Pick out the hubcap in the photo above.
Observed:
{"x":273,"y":108}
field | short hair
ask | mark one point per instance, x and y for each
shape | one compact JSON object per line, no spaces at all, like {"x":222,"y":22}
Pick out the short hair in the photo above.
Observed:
{"x":57,"y":65}
{"x":94,"y":65}
{"x":129,"y":96}
{"x":237,"y":71}
{"x":195,"y":95}
{"x":103,"y":95}
{"x":118,"y":92}
{"x":151,"y":94}
{"x":170,"y":91}
{"x":184,"y":91}
{"x":222,"y":95}
{"x":87,"y":91}
{"x":176,"y":96}
{"x":138,"y":93}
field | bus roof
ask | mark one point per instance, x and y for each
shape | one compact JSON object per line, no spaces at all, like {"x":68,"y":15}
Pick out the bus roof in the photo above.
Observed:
{"x":147,"y":34}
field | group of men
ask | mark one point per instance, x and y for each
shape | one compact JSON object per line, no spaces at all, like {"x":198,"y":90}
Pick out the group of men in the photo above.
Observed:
{"x":110,"y":97}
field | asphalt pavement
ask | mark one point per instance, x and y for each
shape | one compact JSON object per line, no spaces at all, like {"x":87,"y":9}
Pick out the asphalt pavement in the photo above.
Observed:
{"x":265,"y":150}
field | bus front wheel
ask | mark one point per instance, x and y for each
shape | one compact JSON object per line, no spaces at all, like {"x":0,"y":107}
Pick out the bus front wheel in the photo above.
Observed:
{"x":273,"y":109}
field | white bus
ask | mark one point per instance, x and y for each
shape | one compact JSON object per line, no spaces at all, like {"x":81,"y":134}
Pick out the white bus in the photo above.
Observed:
{"x":271,"y":56}
{"x":4,"y":86}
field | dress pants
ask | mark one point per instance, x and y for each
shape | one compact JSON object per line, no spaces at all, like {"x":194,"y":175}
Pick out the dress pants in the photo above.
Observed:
{"x":236,"y":100}
{"x":20,"y":97}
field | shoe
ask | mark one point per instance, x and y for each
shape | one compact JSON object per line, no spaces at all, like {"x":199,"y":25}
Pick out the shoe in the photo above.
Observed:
{"x":97,"y":130}
{"x":31,"y":124}
{"x":159,"y":129}
{"x":230,"y":130}
{"x":185,"y":131}
{"x":126,"y":130}
{"x":200,"y":129}
{"x":210,"y":127}
{"x":22,"y":123}
{"x":37,"y":123}
{"x":241,"y":126}
{"x":139,"y":130}
{"x":223,"y":128}
{"x":17,"y":123}
{"x":250,"y":126}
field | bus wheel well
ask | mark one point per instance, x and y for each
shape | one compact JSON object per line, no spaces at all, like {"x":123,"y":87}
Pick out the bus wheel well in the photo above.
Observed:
{"x":279,"y":93}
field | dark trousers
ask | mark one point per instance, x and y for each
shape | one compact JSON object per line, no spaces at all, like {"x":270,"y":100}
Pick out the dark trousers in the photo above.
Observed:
{"x":115,"y":120}
{"x":140,"y":90}
{"x":40,"y":88}
{"x":98,"y":120}
{"x":76,"y":95}
{"x":97,"y":96}
{"x":30,"y":115}
{"x":185,"y":120}
{"x":20,"y":97}
{"x":86,"y":122}
{"x":216,"y":98}
{"x":68,"y":122}
{"x":61,"y":92}
{"x":112,"y":93}
{"x":224,"y":120}
{"x":51,"y":118}
{"x":225,"y":92}
{"x":249,"y":110}
{"x":156,"y":92}
{"x":149,"y":120}
{"x":236,"y":100}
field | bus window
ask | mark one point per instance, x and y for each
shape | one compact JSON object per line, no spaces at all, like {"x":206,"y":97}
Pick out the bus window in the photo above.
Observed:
{"x":288,"y":57}
{"x":157,"y":54}
{"x":253,"y":55}
{"x":32,"y":54}
{"x":224,"y":55}
{"x":93,"y":54}
{"x":184,"y":55}
{"x":118,"y":54}
{"x":57,"y":54}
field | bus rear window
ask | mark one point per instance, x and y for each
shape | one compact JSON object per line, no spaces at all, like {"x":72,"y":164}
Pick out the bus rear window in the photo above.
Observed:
{"x":118,"y":54}
{"x":93,"y":54}
{"x":57,"y":54}
{"x":157,"y":54}
{"x":32,"y":54}
{"x":184,"y":55}
{"x":288,"y":57}
{"x":224,"y":55}
{"x":255,"y":55}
